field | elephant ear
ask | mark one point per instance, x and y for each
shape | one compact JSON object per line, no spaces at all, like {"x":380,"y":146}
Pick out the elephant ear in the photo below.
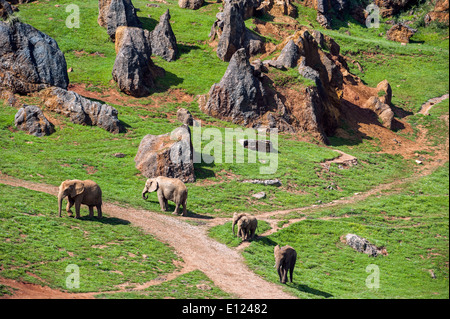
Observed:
{"x":77,"y":189}
{"x":153,"y":186}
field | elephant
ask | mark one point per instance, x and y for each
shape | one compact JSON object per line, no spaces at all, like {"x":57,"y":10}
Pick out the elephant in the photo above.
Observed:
{"x":80,"y":192}
{"x":246,"y":225}
{"x":285,"y":258}
{"x":167,"y":188}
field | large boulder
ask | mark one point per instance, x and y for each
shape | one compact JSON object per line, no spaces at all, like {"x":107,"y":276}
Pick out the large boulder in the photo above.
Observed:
{"x":169,"y":155}
{"x":81,"y":110}
{"x":162,"y":38}
{"x":30,"y":119}
{"x":389,"y":8}
{"x":133,"y":69}
{"x":115,"y":13}
{"x":239,"y":97}
{"x":232,"y":33}
{"x":440,"y":13}
{"x":5,"y":10}
{"x":382,"y":110}
{"x":29,"y":59}
{"x":400,"y":33}
{"x":278,"y":8}
{"x":190,"y":4}
{"x":362,"y":245}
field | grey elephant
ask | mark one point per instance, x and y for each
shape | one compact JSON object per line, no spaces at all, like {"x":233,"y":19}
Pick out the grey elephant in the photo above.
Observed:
{"x":80,"y":192}
{"x":285,"y":258}
{"x":246,"y":225}
{"x":167,"y":188}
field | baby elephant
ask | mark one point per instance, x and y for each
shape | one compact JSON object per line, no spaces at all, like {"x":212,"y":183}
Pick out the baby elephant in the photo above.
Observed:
{"x":80,"y":192}
{"x":285,"y":258}
{"x":167,"y":189}
{"x":246,"y":225}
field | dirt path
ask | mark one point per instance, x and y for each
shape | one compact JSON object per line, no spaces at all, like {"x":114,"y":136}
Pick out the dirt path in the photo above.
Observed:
{"x":224,"y":266}
{"x":426,"y":107}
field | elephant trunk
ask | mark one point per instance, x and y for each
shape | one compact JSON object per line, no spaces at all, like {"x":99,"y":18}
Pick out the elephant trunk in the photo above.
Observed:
{"x":144,"y":192}
{"x":234,"y":223}
{"x":60,"y":199}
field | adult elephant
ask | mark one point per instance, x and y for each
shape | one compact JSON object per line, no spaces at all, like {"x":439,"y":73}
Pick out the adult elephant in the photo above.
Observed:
{"x":246,"y":225}
{"x":167,"y":188}
{"x":285,"y":258}
{"x":80,"y":192}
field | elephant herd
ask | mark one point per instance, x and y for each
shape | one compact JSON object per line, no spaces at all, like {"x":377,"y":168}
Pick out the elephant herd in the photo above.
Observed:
{"x":88,"y":193}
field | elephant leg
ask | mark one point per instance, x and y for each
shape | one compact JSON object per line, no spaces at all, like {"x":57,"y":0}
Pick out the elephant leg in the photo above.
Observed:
{"x":280,"y":275}
{"x":184,"y":209}
{"x":177,"y":209}
{"x":70,"y":203}
{"x":291,"y":273}
{"x":91,"y":211}
{"x":99,"y":211}
{"x":77,"y":208}
{"x":162,"y":202}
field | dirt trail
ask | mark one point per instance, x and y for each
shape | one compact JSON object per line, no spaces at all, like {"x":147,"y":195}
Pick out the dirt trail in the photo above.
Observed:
{"x":426,"y":107}
{"x":221,"y":264}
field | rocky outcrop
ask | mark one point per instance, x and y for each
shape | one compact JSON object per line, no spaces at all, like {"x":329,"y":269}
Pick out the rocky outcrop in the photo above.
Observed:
{"x":362,"y":245}
{"x":30,"y":119}
{"x":278,"y":8}
{"x":400,"y":33}
{"x":382,"y":110}
{"x":191,"y":4}
{"x":185,"y":117}
{"x":389,"y":8}
{"x":289,"y":55}
{"x":115,"y":13}
{"x":440,"y":13}
{"x":5,"y":10}
{"x":239,"y":97}
{"x":133,"y":69}
{"x":232,"y":33}
{"x":169,"y":155}
{"x":29,"y":59}
{"x":81,"y":110}
{"x":162,"y":39}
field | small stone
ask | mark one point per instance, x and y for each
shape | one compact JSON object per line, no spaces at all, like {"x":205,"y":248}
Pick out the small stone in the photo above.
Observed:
{"x":259,"y":195}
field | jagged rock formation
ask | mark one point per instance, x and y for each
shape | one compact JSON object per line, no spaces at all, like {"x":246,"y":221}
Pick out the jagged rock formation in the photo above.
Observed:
{"x":169,"y":155}
{"x":29,"y":59}
{"x":191,"y":4}
{"x":278,"y":8}
{"x":30,"y":119}
{"x":232,"y":33}
{"x":133,"y":68}
{"x":162,"y":39}
{"x":392,"y":7}
{"x":115,"y":13}
{"x":362,"y":245}
{"x":440,"y":13}
{"x":185,"y":117}
{"x":400,"y":33}
{"x":81,"y":110}
{"x":5,"y":10}
{"x":382,"y":110}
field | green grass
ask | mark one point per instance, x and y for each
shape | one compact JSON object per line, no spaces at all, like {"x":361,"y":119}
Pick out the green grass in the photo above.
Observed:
{"x":223,"y":233}
{"x":193,"y":285}
{"x":412,"y":225}
{"x":37,"y":245}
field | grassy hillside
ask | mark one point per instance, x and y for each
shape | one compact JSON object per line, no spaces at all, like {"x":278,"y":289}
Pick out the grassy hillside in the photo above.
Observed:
{"x":410,"y":220}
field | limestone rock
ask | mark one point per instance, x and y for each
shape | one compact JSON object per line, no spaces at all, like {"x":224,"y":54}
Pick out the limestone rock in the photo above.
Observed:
{"x":191,"y":4}
{"x":81,"y":110}
{"x":239,"y":96}
{"x":289,"y":55}
{"x":29,"y":59}
{"x":400,"y":33}
{"x":278,"y":8}
{"x":232,"y":33}
{"x":169,"y":155}
{"x":185,"y":117}
{"x":382,"y":110}
{"x":30,"y":119}
{"x":5,"y":10}
{"x":362,"y":245}
{"x":133,"y":68}
{"x":392,"y":7}
{"x":162,"y":38}
{"x":115,"y":13}
{"x":440,"y":13}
